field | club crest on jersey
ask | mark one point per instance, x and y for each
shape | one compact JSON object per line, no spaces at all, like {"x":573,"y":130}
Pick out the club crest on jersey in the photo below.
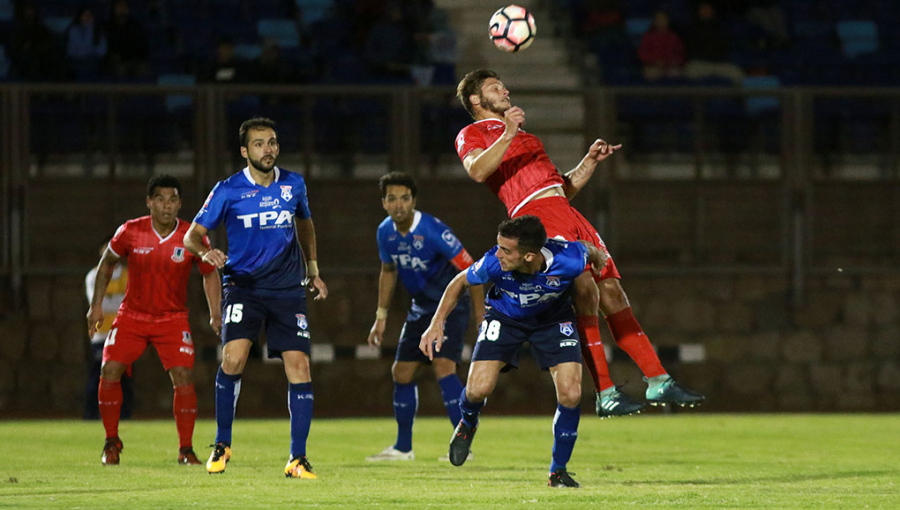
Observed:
{"x":178,"y":254}
{"x":419,"y":242}
{"x":186,"y":337}
{"x":286,"y":192}
{"x":553,"y":281}
{"x":566,"y":328}
{"x":301,"y":321}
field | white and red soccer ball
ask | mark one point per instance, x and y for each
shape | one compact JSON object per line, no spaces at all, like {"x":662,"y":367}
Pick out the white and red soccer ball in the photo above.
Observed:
{"x":512,"y":28}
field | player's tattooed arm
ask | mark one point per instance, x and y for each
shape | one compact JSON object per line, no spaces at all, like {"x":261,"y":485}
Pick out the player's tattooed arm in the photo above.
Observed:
{"x":577,"y":178}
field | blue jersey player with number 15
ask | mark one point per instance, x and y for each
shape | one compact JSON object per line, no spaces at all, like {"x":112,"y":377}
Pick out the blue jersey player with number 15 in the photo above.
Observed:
{"x":529,"y":302}
{"x":266,"y":211}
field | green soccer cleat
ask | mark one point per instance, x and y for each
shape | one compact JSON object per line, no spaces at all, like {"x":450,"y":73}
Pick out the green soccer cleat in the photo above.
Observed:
{"x":616,"y":404}
{"x":670,"y":392}
{"x":562,"y":479}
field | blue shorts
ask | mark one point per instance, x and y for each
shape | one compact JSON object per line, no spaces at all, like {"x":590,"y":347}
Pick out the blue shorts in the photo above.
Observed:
{"x":500,"y":338}
{"x":415,"y":325}
{"x":244,"y":311}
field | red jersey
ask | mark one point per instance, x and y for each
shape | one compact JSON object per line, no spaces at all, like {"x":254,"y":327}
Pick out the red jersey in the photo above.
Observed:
{"x":158,"y":269}
{"x":525,"y":171}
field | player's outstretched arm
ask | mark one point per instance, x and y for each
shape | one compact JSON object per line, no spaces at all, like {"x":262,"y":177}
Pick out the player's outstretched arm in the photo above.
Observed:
{"x":480,"y":164}
{"x":306,"y":235}
{"x":212,"y":287}
{"x":433,"y":337}
{"x":387,"y":280}
{"x":577,"y":178}
{"x":596,"y":257}
{"x":104,"y":273}
{"x":193,"y":241}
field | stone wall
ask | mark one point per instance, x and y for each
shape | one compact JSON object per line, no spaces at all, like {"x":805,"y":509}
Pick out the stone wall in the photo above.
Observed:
{"x":839,"y":351}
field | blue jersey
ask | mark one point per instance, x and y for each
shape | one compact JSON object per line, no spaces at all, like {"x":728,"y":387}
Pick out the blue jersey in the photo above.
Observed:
{"x":532,"y":297}
{"x":422,"y":257}
{"x":263,"y":252}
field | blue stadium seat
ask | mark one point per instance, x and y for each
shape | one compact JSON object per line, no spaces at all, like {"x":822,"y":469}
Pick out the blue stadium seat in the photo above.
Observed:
{"x":176,"y":102}
{"x":858,"y":37}
{"x":283,"y":31}
{"x":757,"y":105}
{"x":312,"y":11}
{"x":247,"y":51}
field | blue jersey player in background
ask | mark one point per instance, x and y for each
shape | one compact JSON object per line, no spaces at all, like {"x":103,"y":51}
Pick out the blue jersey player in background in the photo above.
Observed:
{"x":265,"y":211}
{"x":529,"y":302}
{"x":426,"y":255}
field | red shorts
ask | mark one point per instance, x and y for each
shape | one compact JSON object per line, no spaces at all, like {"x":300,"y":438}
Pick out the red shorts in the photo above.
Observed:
{"x":561,"y":220}
{"x":129,"y":337}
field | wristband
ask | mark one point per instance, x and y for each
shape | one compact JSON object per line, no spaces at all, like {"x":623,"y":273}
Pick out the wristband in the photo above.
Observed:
{"x":381,"y":313}
{"x":312,"y":268}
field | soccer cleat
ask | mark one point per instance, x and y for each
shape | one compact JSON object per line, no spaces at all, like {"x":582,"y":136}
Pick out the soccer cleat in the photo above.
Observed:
{"x":617,"y":404}
{"x":461,"y":444}
{"x":562,"y":478}
{"x":391,"y":453}
{"x":187,"y":457}
{"x":111,"y":450}
{"x":299,"y":467}
{"x":670,"y":392}
{"x":446,"y":458}
{"x":220,"y":456}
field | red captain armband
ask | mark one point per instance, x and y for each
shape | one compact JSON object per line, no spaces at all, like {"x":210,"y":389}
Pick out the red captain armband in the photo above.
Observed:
{"x":462,"y":261}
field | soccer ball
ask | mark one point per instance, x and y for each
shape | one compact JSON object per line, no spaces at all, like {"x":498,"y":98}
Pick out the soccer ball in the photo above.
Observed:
{"x":512,"y":28}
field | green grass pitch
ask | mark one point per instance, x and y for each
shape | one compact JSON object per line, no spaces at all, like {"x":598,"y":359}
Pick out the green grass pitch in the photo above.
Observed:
{"x":658,"y":461}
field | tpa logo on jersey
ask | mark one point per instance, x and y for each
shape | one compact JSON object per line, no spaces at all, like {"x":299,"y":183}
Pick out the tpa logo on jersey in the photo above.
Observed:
{"x":301,"y":321}
{"x":553,"y":281}
{"x":286,"y":192}
{"x":178,"y":254}
{"x":566,"y":328}
{"x":409,"y":262}
{"x":419,"y":242}
{"x":186,"y":338}
{"x":268,"y":219}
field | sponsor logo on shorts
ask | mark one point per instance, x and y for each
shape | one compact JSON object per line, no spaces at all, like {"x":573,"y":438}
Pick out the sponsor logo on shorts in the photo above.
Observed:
{"x":178,"y":254}
{"x":303,"y":334}
{"x":568,"y":343}
{"x":187,"y":350}
{"x":301,"y":321}
{"x":566,"y":328}
{"x":186,"y":337}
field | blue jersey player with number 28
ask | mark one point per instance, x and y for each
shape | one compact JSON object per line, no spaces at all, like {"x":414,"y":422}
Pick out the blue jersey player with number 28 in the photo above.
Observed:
{"x":529,"y":302}
{"x":266,"y":211}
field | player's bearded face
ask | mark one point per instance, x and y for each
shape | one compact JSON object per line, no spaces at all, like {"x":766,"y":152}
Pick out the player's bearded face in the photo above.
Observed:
{"x":495,"y":103}
{"x":265,"y":163}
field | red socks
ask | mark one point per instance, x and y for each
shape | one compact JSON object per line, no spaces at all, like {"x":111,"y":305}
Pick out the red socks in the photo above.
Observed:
{"x":592,"y":351}
{"x":109,"y":398}
{"x":184,"y":407}
{"x":631,"y":338}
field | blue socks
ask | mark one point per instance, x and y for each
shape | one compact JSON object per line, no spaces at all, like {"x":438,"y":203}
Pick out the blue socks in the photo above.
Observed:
{"x":228,"y":388}
{"x":300,"y":405}
{"x":451,"y":387}
{"x":470,"y":410}
{"x":565,"y":432}
{"x":406,"y":403}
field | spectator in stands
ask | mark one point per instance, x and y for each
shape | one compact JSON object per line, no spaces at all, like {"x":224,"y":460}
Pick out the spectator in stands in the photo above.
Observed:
{"x":128,"y":48}
{"x":708,"y":44}
{"x":85,"y":45}
{"x":389,"y":48}
{"x":226,"y":68}
{"x":601,"y":23}
{"x":32,"y":51}
{"x":661,"y":50}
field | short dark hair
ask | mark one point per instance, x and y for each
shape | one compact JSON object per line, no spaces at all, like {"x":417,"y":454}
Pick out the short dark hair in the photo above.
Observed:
{"x":254,"y":123}
{"x":471,"y":84}
{"x":397,"y":179}
{"x":163,"y":181}
{"x":527,"y":230}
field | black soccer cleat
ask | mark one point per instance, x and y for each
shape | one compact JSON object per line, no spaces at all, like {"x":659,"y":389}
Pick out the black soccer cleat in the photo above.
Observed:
{"x":461,"y":443}
{"x":617,"y":404}
{"x":670,"y":392}
{"x":563,"y":479}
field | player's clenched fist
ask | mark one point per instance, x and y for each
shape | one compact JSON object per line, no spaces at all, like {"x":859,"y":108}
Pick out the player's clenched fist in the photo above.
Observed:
{"x":514,"y":118}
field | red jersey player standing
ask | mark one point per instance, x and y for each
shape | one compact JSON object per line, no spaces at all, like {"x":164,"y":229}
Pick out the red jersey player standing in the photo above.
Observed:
{"x":495,"y":150}
{"x":153,"y":311}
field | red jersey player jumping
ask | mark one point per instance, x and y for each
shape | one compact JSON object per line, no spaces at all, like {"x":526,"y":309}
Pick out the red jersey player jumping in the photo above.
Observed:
{"x":153,"y":311}
{"x":495,"y":150}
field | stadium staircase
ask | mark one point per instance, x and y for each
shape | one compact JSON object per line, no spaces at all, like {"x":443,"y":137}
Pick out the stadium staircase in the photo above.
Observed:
{"x":556,"y":119}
